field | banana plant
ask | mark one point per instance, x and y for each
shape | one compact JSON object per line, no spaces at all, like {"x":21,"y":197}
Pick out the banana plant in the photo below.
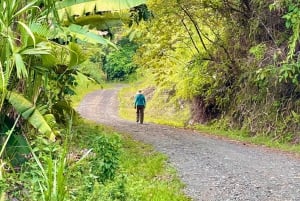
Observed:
{"x":24,"y":37}
{"x":33,"y":64}
{"x":30,"y":112}
{"x":19,"y":46}
{"x":99,"y":14}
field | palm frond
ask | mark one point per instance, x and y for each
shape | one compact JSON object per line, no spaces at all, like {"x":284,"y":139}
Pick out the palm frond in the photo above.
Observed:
{"x":43,"y":30}
{"x":41,"y":48}
{"x":24,"y":9}
{"x":3,"y":84}
{"x":20,"y":66}
{"x":27,"y":29}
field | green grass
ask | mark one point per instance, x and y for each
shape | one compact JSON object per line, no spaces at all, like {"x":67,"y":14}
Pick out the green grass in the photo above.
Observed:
{"x":243,"y":136}
{"x":149,"y":176}
{"x":143,"y":173}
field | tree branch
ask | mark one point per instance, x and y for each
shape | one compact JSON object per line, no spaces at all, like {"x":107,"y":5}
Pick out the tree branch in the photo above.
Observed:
{"x":191,"y":37}
{"x":195,"y":24}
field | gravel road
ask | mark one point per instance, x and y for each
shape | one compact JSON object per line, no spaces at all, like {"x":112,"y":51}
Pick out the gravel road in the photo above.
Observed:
{"x":212,"y":169}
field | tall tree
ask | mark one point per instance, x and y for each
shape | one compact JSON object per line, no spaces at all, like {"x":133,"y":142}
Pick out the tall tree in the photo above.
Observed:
{"x":222,"y":54}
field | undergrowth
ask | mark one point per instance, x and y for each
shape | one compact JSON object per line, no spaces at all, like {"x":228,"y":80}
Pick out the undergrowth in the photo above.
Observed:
{"x":98,"y":164}
{"x":245,"y":137}
{"x":141,"y":173}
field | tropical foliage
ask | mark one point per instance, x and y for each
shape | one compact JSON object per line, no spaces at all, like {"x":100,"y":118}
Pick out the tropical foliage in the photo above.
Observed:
{"x":41,"y":48}
{"x":118,"y":64}
{"x":235,"y":61}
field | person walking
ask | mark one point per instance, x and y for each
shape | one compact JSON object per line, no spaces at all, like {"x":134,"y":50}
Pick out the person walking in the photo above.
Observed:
{"x":139,"y":105}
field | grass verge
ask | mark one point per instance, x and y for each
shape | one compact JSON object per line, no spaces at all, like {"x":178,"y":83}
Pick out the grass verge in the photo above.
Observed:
{"x":243,"y":136}
{"x":149,"y":176}
{"x":142,"y":174}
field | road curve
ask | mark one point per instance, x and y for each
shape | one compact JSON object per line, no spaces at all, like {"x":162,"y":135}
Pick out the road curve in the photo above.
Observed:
{"x":212,"y":169}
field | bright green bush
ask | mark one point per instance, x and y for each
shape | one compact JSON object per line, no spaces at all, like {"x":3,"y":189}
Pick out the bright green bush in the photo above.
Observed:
{"x":106,"y":160}
{"x":118,"y":64}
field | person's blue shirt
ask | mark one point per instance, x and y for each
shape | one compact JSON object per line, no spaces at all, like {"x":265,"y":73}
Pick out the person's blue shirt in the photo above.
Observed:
{"x":140,"y":100}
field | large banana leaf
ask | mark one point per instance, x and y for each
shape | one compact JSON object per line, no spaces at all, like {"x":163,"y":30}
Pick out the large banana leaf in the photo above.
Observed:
{"x":76,"y":31}
{"x":30,"y":113}
{"x":86,"y":35}
{"x":103,"y":13}
{"x":79,"y":7}
{"x":104,"y":21}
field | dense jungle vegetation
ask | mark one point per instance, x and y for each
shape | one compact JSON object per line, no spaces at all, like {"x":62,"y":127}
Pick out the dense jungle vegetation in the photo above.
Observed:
{"x":234,"y":64}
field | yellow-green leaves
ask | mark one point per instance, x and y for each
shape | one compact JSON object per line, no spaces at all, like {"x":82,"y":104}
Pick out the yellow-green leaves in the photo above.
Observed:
{"x":100,"y":14}
{"x":78,"y":7}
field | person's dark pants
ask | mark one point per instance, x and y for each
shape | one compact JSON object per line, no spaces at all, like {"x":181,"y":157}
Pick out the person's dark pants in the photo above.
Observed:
{"x":140,"y":113}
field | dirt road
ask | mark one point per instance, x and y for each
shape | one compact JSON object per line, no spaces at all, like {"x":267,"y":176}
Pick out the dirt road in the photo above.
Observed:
{"x":212,"y":169}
